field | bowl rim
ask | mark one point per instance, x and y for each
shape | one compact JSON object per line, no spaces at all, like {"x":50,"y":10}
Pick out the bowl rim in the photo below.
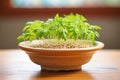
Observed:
{"x":99,"y":46}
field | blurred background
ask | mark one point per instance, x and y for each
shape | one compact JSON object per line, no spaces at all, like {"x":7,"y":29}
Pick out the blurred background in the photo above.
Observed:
{"x":15,"y":13}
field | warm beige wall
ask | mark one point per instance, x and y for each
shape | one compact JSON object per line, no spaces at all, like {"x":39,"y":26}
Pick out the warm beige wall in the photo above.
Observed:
{"x":10,"y":28}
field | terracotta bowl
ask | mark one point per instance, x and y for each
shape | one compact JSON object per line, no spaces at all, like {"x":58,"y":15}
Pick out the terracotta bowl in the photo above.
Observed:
{"x":61,"y":59}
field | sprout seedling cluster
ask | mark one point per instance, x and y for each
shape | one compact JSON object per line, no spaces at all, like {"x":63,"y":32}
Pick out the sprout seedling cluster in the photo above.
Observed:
{"x":70,"y":31}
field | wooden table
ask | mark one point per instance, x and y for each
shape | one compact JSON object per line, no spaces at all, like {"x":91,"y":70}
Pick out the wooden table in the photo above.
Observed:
{"x":16,"y":65}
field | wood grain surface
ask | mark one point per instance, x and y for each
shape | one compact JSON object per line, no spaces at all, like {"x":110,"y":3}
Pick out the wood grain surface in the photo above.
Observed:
{"x":16,"y":65}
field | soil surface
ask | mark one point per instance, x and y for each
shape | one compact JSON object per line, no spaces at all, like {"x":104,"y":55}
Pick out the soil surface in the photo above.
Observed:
{"x":52,"y":43}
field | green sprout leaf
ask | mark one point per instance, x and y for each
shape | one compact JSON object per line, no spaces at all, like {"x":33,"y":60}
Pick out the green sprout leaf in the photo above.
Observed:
{"x":72,"y":26}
